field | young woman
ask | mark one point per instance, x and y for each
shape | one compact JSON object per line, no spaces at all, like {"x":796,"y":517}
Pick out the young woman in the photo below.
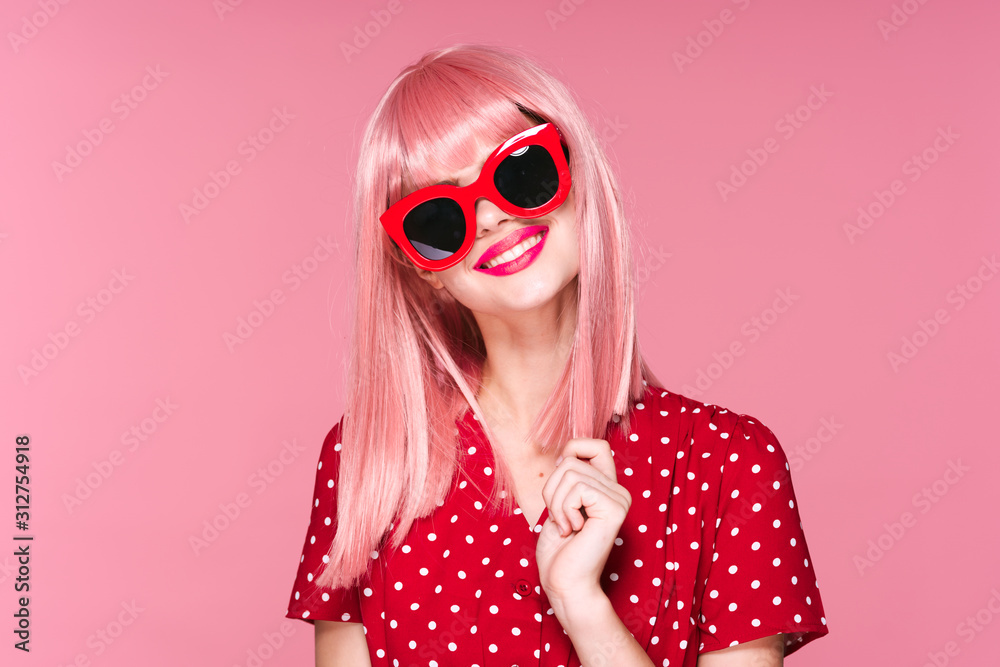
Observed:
{"x":509,"y":483}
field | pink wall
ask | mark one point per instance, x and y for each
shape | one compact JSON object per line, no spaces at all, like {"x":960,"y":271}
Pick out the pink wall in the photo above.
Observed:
{"x":127,"y":304}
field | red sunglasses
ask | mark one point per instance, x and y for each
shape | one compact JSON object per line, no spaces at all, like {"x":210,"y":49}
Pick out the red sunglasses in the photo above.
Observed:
{"x":526,"y":176}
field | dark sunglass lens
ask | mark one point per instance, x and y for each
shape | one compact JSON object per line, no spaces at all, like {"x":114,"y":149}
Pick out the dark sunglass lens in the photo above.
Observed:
{"x":436,"y":228}
{"x":527,"y":177}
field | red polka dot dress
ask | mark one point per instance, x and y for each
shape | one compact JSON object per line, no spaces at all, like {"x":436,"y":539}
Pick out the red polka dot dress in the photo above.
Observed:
{"x":711,"y":554}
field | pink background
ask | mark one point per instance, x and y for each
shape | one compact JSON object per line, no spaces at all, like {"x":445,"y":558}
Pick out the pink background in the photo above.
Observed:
{"x":895,"y":594}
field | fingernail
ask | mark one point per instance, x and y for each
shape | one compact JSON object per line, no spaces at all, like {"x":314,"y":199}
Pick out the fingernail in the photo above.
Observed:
{"x":559,"y":459}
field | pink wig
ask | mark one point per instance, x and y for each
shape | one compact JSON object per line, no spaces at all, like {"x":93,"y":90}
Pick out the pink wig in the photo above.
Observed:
{"x":417,"y":353}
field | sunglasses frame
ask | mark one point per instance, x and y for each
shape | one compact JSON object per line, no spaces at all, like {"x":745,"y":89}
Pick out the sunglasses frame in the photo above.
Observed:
{"x":546,"y":135}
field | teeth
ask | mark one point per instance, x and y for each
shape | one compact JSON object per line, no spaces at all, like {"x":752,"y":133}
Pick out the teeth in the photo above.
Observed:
{"x":515,"y":252}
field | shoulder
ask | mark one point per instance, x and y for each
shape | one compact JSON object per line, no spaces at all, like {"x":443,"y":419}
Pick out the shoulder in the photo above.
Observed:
{"x":328,"y":466}
{"x":677,"y":425}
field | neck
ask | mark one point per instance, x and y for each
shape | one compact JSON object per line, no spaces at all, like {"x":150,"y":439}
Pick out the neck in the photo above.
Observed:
{"x":525,"y":357}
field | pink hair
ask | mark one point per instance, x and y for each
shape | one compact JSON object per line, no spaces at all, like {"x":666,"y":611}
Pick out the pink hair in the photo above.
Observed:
{"x":416,"y":353}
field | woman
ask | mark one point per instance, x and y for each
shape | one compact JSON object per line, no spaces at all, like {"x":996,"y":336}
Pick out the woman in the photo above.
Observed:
{"x":509,"y":484}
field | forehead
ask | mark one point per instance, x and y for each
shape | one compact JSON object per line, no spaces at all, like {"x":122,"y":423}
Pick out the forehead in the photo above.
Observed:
{"x":480,"y":150}
{"x":457,"y":155}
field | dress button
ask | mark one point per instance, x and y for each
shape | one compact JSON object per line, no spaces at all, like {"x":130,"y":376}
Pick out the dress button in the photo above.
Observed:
{"x":522,"y":587}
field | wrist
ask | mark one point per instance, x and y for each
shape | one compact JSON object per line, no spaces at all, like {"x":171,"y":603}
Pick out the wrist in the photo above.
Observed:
{"x":581,"y":602}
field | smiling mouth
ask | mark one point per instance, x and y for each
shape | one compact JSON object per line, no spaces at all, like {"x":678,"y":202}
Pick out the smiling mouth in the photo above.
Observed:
{"x":514,"y":252}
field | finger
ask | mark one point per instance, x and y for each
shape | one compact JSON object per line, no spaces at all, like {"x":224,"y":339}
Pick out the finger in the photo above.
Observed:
{"x":580,"y":467}
{"x":599,"y":501}
{"x":596,"y":452}
{"x":567,"y":501}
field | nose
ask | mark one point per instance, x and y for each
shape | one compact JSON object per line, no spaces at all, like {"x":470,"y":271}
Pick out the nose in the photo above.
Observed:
{"x":489,"y":215}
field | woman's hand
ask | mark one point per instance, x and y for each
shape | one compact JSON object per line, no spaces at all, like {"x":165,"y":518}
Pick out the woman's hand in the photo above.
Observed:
{"x":572,"y":549}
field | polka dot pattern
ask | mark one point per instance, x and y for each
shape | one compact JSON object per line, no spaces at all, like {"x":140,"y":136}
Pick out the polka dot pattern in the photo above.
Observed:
{"x":711,"y":553}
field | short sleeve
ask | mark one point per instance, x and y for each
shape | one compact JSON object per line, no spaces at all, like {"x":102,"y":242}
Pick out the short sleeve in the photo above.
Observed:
{"x":761,"y":580}
{"x":308,"y":601}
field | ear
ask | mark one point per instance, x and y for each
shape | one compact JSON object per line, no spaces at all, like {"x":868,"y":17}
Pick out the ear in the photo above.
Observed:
{"x":430,"y":276}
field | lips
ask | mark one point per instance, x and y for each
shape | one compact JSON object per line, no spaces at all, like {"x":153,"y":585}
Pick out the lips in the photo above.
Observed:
{"x":509,"y":241}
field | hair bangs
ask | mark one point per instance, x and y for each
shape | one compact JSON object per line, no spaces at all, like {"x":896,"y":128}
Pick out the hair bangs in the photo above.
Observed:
{"x":445,"y":116}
